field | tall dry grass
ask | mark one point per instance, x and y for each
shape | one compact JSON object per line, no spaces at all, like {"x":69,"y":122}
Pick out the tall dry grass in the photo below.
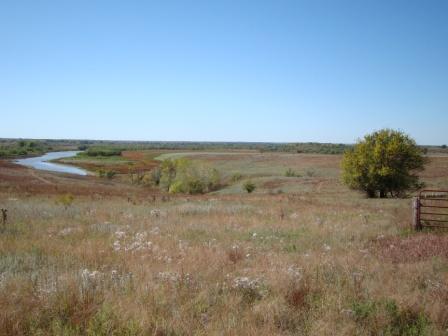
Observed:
{"x":326,"y":262}
{"x":237,"y":265}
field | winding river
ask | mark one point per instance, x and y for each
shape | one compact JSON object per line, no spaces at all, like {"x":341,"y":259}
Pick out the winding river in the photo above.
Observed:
{"x":42,"y":163}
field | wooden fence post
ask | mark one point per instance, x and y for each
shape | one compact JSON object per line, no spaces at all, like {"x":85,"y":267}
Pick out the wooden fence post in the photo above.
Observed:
{"x":4,"y":218}
{"x":416,"y":213}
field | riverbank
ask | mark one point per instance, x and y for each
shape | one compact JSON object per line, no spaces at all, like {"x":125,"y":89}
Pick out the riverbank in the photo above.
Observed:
{"x":16,"y":180}
{"x":128,"y":162}
{"x":46,"y":162}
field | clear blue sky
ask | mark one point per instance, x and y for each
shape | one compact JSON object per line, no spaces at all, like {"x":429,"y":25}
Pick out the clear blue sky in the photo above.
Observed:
{"x":283,"y":71}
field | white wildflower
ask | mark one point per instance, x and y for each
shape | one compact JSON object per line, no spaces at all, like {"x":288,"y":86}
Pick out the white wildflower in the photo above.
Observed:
{"x":89,"y":279}
{"x":294,"y":215}
{"x":155,"y":231}
{"x":245,"y":283}
{"x":294,"y":272}
{"x":117,"y":245}
{"x":155,"y":213}
{"x":140,"y":236}
{"x":120,"y":234}
{"x":348,"y":312}
{"x":169,"y":276}
{"x":66,"y":231}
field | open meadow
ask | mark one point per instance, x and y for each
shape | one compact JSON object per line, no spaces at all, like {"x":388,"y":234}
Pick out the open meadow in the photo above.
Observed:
{"x":224,"y":168}
{"x":301,"y":255}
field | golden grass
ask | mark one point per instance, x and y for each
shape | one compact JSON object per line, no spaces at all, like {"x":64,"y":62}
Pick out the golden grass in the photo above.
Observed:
{"x":317,"y":262}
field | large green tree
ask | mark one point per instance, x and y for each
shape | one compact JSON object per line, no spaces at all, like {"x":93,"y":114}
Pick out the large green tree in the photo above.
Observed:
{"x":383,"y":163}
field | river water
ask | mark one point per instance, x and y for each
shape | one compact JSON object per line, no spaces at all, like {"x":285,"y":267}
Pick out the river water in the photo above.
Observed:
{"x":42,"y":163}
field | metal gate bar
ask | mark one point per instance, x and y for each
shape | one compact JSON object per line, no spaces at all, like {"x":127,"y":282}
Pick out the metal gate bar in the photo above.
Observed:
{"x":424,"y":200}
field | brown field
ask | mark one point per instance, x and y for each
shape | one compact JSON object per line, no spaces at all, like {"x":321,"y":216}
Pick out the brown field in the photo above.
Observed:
{"x":129,"y":162}
{"x":300,"y":256}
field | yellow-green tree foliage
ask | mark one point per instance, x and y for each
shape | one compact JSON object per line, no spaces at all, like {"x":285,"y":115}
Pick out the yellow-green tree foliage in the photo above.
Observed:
{"x":383,"y":163}
{"x":185,"y":176}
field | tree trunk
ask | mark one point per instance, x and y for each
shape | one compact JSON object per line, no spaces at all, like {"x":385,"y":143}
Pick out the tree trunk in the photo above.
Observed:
{"x":370,"y":193}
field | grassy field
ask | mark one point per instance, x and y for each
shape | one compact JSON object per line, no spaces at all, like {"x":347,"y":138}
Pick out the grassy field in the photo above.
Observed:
{"x":302,"y":255}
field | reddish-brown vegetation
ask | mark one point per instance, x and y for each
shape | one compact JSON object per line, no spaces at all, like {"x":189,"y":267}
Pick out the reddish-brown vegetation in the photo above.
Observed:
{"x":414,"y":248}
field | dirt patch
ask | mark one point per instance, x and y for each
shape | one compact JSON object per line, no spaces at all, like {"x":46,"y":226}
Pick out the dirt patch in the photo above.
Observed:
{"x":412,"y":249}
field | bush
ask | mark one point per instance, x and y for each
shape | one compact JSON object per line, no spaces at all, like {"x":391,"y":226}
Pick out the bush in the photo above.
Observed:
{"x":236,"y":177}
{"x":106,"y":173}
{"x":291,"y":173}
{"x":184,"y":176}
{"x":383,"y":163}
{"x":95,"y":151}
{"x":249,"y":186}
{"x":65,"y":200}
{"x":310,"y":172}
{"x":168,"y":174}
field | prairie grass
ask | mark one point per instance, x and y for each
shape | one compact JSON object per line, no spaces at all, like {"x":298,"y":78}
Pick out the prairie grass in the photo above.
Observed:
{"x":317,"y":261}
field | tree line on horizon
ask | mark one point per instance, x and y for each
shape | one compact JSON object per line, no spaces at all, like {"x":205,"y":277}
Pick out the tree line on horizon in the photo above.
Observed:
{"x":11,"y":148}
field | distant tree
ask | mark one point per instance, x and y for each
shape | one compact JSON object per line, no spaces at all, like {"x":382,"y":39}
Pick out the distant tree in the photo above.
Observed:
{"x":168,"y":174}
{"x":383,"y":163}
{"x":249,"y":186}
{"x":185,"y":176}
{"x":103,"y":151}
{"x":443,"y":146}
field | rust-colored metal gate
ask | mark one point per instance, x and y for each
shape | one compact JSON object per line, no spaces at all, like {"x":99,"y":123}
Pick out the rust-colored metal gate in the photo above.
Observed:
{"x":431,"y":209}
